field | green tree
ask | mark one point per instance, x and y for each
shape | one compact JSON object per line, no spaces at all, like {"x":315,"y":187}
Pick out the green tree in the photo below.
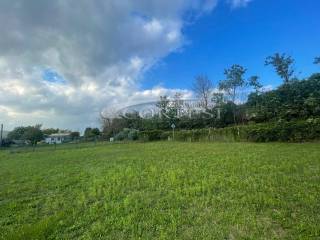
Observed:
{"x":298,"y":100}
{"x":283,"y":65}
{"x":75,"y":135}
{"x":88,"y":132}
{"x":30,"y":133}
{"x":33,"y":134}
{"x":218,"y":99}
{"x":254,"y":83}
{"x":17,"y":133}
{"x":91,"y":133}
{"x":50,"y":131}
{"x":95,"y":132}
{"x":163,"y":105}
{"x":234,"y":82}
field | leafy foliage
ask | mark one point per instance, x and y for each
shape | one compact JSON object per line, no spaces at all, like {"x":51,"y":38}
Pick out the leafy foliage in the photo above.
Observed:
{"x":91,"y":133}
{"x":234,"y":82}
{"x":284,"y":131}
{"x":291,"y":101}
{"x":33,"y":134}
{"x":127,"y":134}
{"x":75,"y":135}
{"x":50,"y":131}
{"x":297,"y":100}
{"x":17,"y":133}
{"x":282,"y":64}
{"x":153,"y":135}
{"x":254,"y":82}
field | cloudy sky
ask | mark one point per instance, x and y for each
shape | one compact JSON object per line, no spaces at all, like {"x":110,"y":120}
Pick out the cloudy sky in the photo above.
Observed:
{"x":63,"y":61}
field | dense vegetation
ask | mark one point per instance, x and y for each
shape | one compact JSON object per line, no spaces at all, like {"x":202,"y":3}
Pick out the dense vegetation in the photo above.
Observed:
{"x":293,"y":131}
{"x":162,"y":190}
{"x":296,"y":100}
{"x":294,"y":106}
{"x":239,"y":101}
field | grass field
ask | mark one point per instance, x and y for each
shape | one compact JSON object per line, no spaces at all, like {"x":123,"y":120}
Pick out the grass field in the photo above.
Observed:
{"x":162,"y":191}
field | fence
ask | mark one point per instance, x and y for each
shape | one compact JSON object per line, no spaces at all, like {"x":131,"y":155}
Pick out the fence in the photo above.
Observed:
{"x":55,"y":147}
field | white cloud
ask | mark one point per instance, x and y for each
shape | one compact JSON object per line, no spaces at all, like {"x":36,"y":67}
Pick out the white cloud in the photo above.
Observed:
{"x":267,"y":88}
{"x":153,"y":27}
{"x":100,"y":48}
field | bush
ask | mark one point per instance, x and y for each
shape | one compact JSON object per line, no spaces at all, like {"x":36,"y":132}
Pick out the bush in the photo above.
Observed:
{"x":292,"y":131}
{"x":153,"y":135}
{"x":127,"y":134}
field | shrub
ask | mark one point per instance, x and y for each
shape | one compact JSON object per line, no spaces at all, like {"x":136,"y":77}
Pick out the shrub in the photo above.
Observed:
{"x":127,"y":134}
{"x":153,"y":135}
{"x":292,"y":131}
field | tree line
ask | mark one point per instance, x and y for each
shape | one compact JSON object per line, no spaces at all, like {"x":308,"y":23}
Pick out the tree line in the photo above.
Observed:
{"x":235,"y":100}
{"x":35,"y":134}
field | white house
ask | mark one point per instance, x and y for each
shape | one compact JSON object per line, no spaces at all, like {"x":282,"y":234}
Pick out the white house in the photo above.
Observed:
{"x":57,"y":138}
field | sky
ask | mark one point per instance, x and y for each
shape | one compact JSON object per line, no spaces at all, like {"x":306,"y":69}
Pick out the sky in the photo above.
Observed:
{"x":62,"y":62}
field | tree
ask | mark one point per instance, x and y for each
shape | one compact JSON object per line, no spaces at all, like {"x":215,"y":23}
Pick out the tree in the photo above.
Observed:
{"x":74,"y":135}
{"x":95,"y":132}
{"x":90,"y":133}
{"x":317,"y":60}
{"x":232,"y":84}
{"x":202,"y":86}
{"x":283,"y":65}
{"x":50,"y":131}
{"x":218,"y":98}
{"x":17,"y":133}
{"x":254,"y":82}
{"x":33,"y":134}
{"x":177,"y":104}
{"x":30,"y":133}
{"x":163,"y":105}
{"x":111,"y":124}
{"x":298,"y":100}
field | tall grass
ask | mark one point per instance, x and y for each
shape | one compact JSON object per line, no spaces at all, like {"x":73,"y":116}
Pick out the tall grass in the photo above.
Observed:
{"x":163,"y":190}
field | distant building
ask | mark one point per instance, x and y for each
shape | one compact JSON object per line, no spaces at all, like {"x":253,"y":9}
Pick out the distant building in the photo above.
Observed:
{"x":58,"y":138}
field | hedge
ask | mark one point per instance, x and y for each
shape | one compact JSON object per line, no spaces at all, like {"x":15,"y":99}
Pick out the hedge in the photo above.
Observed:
{"x":293,"y":131}
{"x":154,"y":135}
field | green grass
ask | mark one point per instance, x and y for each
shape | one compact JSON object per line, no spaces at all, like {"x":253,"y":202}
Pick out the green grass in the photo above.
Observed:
{"x":162,"y":191}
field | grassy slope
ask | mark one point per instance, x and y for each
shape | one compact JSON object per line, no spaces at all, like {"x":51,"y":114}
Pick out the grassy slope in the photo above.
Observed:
{"x":162,"y":190}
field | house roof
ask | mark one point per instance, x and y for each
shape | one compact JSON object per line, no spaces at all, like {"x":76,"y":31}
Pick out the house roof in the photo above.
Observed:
{"x":59,"y":135}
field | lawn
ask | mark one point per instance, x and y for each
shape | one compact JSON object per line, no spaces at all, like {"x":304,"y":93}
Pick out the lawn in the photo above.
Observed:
{"x":162,"y":191}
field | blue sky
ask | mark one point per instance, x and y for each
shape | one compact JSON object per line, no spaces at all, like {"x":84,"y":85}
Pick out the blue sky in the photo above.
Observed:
{"x":244,"y":36}
{"x":61,"y":69}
